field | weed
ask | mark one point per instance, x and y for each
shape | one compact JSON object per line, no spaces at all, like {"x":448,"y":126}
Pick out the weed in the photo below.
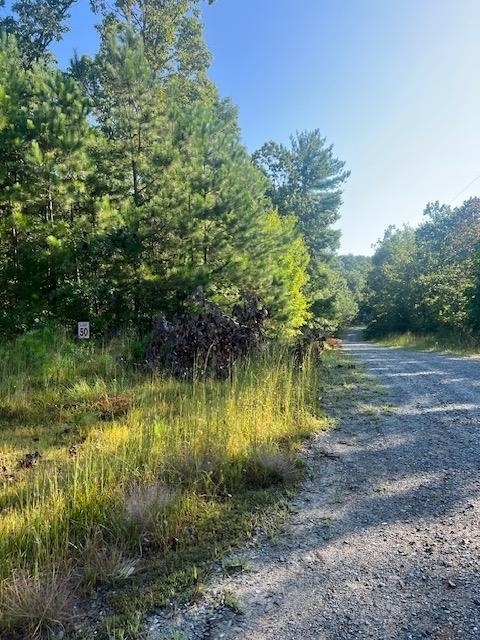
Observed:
{"x":102,"y":562}
{"x":123,"y":627}
{"x":265,"y":468}
{"x":235,"y":565}
{"x":370,"y":410}
{"x":37,"y":604}
{"x":146,"y":504}
{"x":233,"y":603}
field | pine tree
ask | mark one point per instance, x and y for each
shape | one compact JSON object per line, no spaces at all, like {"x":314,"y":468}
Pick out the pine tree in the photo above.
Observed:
{"x":42,"y":184}
{"x":305,"y":181}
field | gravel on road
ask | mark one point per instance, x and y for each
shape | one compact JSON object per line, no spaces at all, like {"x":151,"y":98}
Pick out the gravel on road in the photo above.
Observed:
{"x":383,"y":537}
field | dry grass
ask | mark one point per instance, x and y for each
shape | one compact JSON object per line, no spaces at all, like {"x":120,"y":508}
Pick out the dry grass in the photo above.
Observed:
{"x":266,"y":468}
{"x":103,"y":562}
{"x":146,"y":506}
{"x":34,"y":605}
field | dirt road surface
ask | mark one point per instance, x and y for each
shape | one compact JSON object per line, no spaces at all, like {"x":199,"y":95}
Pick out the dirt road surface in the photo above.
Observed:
{"x":383,"y":540}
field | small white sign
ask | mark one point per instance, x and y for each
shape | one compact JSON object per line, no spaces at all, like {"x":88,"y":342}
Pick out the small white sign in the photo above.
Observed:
{"x":84,"y":330}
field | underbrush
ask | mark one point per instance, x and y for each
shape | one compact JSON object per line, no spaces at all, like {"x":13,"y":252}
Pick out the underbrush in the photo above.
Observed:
{"x":129,"y":485}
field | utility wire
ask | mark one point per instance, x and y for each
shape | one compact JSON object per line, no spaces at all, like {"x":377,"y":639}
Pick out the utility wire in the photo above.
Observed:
{"x":464,"y":189}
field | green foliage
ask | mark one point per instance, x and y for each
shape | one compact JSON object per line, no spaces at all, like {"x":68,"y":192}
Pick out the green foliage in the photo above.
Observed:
{"x":391,"y":287}
{"x":334,"y":305}
{"x":170,"y":31}
{"x":125,"y":185}
{"x":223,"y":224}
{"x":425,"y":280}
{"x":286,"y":297}
{"x":125,"y":101}
{"x":141,"y":481}
{"x":36,"y":24}
{"x":42,"y":188}
{"x":355,"y":271}
{"x":305,"y":181}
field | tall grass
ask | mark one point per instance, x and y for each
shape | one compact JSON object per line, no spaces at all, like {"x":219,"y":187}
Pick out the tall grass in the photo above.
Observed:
{"x":132,"y":465}
{"x":446,"y":343}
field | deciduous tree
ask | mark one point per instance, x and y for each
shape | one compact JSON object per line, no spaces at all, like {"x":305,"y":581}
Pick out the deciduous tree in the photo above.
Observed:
{"x":35,"y":25}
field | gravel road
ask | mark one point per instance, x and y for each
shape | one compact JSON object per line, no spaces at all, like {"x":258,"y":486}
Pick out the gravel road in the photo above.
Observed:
{"x":383,"y":540}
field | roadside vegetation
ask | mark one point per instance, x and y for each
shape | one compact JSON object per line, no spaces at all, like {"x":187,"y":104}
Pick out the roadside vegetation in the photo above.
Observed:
{"x":125,"y":191}
{"x":455,"y":344}
{"x":125,"y":186}
{"x":424,"y":282}
{"x":122,"y":487}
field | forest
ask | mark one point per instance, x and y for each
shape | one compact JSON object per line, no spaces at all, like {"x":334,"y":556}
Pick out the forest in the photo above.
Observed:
{"x":425,"y":280}
{"x":124,"y":186}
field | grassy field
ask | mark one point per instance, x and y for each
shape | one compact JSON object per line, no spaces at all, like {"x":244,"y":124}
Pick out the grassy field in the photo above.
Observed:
{"x":123,"y":488}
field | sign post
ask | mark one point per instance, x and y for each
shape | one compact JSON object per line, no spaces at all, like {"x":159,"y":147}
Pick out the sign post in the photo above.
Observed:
{"x":84,"y":330}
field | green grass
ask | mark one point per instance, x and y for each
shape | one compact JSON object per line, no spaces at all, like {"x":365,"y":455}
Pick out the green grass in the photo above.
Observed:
{"x":141,"y":482}
{"x":455,"y":344}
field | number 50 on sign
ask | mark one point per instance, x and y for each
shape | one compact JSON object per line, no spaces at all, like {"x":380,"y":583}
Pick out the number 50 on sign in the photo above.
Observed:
{"x":84,"y":330}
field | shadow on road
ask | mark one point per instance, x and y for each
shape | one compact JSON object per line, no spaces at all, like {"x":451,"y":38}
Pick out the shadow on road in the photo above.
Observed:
{"x":387,"y":530}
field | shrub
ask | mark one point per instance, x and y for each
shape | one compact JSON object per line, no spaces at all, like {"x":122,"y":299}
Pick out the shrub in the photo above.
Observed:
{"x":207,"y":342}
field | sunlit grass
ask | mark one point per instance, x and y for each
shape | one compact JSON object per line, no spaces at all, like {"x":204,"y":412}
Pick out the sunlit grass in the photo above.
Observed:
{"x":97,"y":456}
{"x":452,"y":343}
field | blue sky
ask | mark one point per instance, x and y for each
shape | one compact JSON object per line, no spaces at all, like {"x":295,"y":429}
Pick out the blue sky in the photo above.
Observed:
{"x":394,"y":85}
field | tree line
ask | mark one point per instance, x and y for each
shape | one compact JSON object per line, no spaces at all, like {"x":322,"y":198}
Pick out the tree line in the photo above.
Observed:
{"x":427,"y":279}
{"x":124,"y":185}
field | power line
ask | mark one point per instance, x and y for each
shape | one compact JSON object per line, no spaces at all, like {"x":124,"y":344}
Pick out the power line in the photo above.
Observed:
{"x":464,"y":189}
